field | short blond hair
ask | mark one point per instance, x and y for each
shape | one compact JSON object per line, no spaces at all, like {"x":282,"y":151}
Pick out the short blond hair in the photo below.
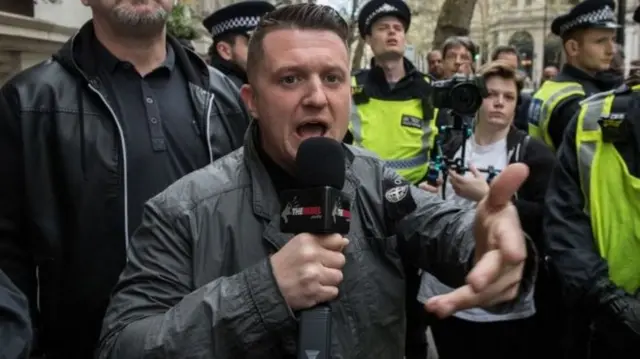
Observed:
{"x":502,"y":69}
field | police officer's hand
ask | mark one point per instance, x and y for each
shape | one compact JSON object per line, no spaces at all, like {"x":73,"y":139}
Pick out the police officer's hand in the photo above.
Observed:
{"x":308,"y":269}
{"x":500,"y":252}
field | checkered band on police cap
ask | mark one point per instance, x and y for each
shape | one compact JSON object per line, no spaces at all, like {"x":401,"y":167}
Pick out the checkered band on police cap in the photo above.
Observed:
{"x":604,"y":14}
{"x":385,"y":8}
{"x":239,"y":23}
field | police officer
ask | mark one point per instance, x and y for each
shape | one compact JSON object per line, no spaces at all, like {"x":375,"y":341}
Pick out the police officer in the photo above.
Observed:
{"x":588,"y":37}
{"x":392,"y":117}
{"x":591,"y":226}
{"x":230,"y":28}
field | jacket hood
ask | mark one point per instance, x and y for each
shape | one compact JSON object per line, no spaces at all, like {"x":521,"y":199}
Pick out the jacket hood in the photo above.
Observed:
{"x":77,"y":57}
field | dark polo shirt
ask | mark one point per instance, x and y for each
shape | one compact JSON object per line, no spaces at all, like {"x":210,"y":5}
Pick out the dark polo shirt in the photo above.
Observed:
{"x":163,"y":140}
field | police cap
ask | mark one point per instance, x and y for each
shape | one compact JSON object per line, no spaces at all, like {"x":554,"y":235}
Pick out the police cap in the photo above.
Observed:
{"x":240,"y":18}
{"x":375,"y":9}
{"x":585,"y":15}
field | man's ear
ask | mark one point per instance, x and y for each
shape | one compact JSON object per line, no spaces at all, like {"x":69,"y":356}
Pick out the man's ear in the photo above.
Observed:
{"x":248,"y":97}
{"x":571,"y":47}
{"x":224,"y":50}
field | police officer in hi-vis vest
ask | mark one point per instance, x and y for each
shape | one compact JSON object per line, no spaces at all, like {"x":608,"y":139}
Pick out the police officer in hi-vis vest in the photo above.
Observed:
{"x":592,"y":225}
{"x":393,"y":118}
{"x":588,"y":36}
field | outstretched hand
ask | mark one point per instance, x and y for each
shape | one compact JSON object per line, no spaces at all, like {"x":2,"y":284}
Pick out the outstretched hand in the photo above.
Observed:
{"x":500,"y":251}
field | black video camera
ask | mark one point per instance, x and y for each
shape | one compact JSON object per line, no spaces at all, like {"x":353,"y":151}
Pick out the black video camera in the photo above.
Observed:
{"x":461,"y":94}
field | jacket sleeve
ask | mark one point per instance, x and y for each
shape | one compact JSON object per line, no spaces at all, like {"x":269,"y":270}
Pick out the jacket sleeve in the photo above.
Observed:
{"x":583,"y":275}
{"x":157,"y":311}
{"x":560,"y":117}
{"x":437,"y":236}
{"x":530,"y":202}
{"x":16,"y":258}
{"x":15,"y":327}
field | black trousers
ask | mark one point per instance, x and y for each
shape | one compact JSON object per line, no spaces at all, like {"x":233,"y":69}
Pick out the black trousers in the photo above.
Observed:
{"x":417,"y":318}
{"x":460,"y":339}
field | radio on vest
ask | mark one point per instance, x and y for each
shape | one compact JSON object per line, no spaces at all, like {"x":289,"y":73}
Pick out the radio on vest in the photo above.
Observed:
{"x":319,"y":207}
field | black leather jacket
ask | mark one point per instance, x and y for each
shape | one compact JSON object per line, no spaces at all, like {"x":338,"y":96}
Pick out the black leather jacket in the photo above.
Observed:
{"x":63,"y":189}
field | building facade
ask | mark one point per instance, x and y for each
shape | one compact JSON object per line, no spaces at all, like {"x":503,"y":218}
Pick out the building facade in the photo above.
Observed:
{"x":525,"y":24}
{"x":31,"y":30}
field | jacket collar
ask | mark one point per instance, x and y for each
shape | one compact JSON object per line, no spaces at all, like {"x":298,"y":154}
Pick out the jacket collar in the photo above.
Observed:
{"x":377,"y":74}
{"x":77,"y":56}
{"x":229,"y":68}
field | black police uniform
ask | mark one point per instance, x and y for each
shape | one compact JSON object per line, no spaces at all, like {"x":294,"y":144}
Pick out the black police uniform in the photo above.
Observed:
{"x":602,"y":315}
{"x":412,"y":86}
{"x":587,"y":14}
{"x":239,"y":18}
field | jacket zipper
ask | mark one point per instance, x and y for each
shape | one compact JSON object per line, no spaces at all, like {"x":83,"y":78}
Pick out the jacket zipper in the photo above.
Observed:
{"x":208,"y":126}
{"x":124,"y":164}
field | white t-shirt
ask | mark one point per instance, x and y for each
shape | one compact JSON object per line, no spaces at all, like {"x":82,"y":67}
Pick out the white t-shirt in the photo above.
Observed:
{"x":494,"y":154}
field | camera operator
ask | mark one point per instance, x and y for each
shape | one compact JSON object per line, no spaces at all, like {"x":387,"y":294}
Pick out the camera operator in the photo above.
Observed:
{"x":495,"y":143}
{"x":458,"y":53}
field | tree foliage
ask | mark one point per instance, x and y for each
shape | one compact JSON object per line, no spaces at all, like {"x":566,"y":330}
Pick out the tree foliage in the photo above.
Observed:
{"x":181,"y":23}
{"x":454,"y":20}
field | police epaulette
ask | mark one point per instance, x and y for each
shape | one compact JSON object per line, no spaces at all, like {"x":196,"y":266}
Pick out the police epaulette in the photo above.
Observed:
{"x":622,"y":89}
{"x":597,"y":96}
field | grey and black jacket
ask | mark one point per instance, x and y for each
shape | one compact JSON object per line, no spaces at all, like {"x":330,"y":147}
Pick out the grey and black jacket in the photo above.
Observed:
{"x":198,"y":281}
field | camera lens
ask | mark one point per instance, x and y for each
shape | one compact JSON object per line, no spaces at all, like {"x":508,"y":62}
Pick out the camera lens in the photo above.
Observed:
{"x":465,"y":99}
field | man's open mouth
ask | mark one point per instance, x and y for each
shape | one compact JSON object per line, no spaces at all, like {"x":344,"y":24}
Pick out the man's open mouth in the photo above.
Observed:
{"x":312,"y":129}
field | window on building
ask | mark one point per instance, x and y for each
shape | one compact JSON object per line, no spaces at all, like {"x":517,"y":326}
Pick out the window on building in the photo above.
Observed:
{"x":528,"y":3}
{"x":24,"y":8}
{"x":514,"y":3}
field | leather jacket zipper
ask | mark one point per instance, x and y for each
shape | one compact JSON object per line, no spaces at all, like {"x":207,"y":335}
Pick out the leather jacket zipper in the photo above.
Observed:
{"x":124,"y":164}
{"x":208,"y":126}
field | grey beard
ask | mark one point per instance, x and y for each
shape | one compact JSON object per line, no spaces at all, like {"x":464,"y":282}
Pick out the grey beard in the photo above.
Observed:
{"x":140,"y":24}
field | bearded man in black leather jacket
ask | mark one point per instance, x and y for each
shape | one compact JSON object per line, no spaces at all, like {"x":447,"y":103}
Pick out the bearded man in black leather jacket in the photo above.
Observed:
{"x":118,"y":114}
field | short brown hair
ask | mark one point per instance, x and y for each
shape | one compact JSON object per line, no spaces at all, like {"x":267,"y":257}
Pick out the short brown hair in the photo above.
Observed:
{"x":502,"y":69}
{"x":504,"y":49}
{"x":303,"y":16}
{"x":457,"y":41}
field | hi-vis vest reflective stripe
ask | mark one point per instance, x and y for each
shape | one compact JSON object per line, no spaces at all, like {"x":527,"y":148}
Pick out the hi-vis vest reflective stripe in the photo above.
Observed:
{"x":611,"y":194}
{"x":396,"y":131}
{"x":543,"y":103}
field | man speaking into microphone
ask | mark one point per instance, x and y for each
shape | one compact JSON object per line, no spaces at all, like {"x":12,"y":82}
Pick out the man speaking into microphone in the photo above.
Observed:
{"x":215,"y":272}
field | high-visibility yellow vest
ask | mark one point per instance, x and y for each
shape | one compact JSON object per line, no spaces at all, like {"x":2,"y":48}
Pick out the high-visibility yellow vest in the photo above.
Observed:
{"x":612,"y":194}
{"x":543,"y":103}
{"x":396,"y":130}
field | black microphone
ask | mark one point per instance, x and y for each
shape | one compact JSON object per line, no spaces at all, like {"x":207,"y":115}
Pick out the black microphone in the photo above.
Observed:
{"x":319,"y":207}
